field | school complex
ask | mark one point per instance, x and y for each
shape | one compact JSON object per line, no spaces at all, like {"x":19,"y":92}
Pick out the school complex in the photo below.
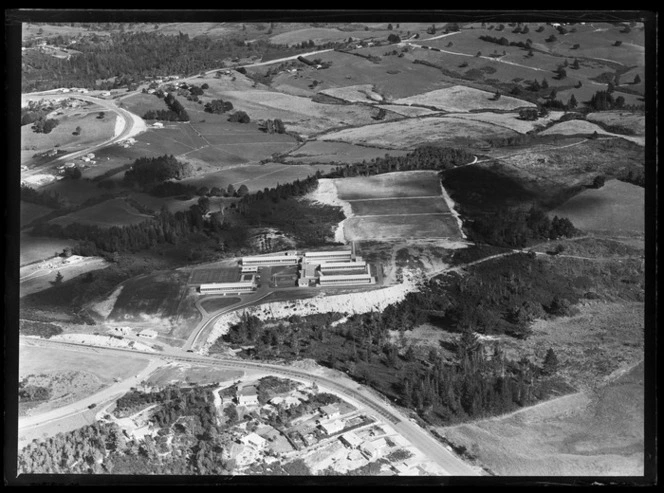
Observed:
{"x":314,"y":269}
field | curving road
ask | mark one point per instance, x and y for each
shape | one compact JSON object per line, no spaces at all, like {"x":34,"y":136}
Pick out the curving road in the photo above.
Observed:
{"x":344,"y":386}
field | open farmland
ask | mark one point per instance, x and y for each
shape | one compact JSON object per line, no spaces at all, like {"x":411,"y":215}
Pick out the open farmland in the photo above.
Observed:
{"x":510,"y":121}
{"x":408,"y":111}
{"x":37,"y":248}
{"x":93,"y":131}
{"x":461,"y":99}
{"x":299,"y":114}
{"x":114,"y":212}
{"x":582,"y":127}
{"x":617,"y":207}
{"x":361,"y":93}
{"x":629,"y":121}
{"x":30,"y":212}
{"x":392,"y":77}
{"x":323,"y":34}
{"x":316,"y":151}
{"x":258,"y":176}
{"x":410,"y":133}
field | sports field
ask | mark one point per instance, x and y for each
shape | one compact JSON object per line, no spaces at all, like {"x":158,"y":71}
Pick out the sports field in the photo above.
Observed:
{"x":389,"y":185}
{"x":402,"y":227}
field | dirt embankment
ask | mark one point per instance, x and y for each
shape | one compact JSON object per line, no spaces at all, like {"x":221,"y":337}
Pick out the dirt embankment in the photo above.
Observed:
{"x":349,"y":304}
{"x":326,"y":193}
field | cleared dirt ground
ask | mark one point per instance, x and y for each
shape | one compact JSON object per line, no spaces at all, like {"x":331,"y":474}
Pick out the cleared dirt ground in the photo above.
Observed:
{"x":402,"y":227}
{"x":462,"y":99}
{"x":315,"y":151}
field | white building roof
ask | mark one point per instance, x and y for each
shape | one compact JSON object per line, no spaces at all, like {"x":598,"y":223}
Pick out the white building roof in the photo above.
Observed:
{"x":352,"y":439}
{"x":340,"y":253}
{"x":348,"y":277}
{"x":224,"y":285}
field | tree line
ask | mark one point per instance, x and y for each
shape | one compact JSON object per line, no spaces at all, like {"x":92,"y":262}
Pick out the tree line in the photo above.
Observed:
{"x":146,"y":172}
{"x":175,"y":112}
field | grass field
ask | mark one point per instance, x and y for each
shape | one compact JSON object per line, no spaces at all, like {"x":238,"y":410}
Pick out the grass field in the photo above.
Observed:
{"x":510,"y":121}
{"x":626,"y":120}
{"x":93,"y":131}
{"x":322,"y":34}
{"x":406,"y":205}
{"x":464,"y":99}
{"x":401,"y":227}
{"x":30,"y":212}
{"x":582,"y":127}
{"x":212,"y":305}
{"x":361,"y":93}
{"x":410,"y":133}
{"x":257,"y":176}
{"x":409,"y":111}
{"x":616,"y":207}
{"x":393,"y":77}
{"x":389,"y":185}
{"x":218,"y":274}
{"x":155,"y":295}
{"x":316,"y":151}
{"x":299,"y":114}
{"x":35,"y":248}
{"x":114,"y":212}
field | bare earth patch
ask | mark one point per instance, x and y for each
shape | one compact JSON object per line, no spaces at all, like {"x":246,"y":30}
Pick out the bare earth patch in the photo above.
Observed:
{"x":463,"y":99}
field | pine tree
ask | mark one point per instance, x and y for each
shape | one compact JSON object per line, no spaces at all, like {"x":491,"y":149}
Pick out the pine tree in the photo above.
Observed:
{"x":58,"y":279}
{"x":572,"y":102}
{"x":550,"y":364}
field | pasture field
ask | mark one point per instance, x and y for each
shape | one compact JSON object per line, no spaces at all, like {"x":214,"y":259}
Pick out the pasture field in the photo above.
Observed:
{"x":36,"y":248}
{"x":316,"y":151}
{"x":510,"y":121}
{"x":406,"y":205}
{"x":411,"y":133}
{"x":38,"y":277}
{"x":323,"y":34}
{"x":361,"y":93}
{"x":582,"y":127}
{"x":113,"y":212}
{"x":30,"y":212}
{"x":617,"y":207}
{"x":393,"y":77}
{"x":389,"y":185}
{"x":140,"y":103}
{"x":299,"y":114}
{"x":631,"y":121}
{"x":212,"y":305}
{"x":257,"y":176}
{"x":407,"y":111}
{"x":93,"y":131}
{"x":401,"y":227}
{"x":464,"y":99}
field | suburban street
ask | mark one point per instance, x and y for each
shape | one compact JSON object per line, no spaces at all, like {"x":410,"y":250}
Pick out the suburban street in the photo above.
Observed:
{"x":355,"y":393}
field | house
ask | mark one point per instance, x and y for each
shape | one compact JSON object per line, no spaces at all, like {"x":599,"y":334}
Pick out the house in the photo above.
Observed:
{"x":330,"y":411}
{"x":330,"y":427}
{"x":247,"y":396}
{"x":373,"y":449}
{"x":254,"y":440}
{"x":350,"y":439}
{"x":158,"y":125}
{"x":105,"y":93}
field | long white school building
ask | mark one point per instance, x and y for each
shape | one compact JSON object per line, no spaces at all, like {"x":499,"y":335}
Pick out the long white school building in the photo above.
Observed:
{"x":347,"y":279}
{"x":288,"y":258}
{"x":227,"y":288}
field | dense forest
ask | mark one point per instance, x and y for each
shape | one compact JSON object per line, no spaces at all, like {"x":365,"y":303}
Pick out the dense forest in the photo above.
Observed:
{"x":122,"y":59}
{"x":47,"y":199}
{"x":146,"y":172}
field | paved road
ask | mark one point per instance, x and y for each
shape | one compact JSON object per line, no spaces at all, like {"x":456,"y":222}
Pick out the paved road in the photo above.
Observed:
{"x":375,"y":404}
{"x":132,"y":125}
